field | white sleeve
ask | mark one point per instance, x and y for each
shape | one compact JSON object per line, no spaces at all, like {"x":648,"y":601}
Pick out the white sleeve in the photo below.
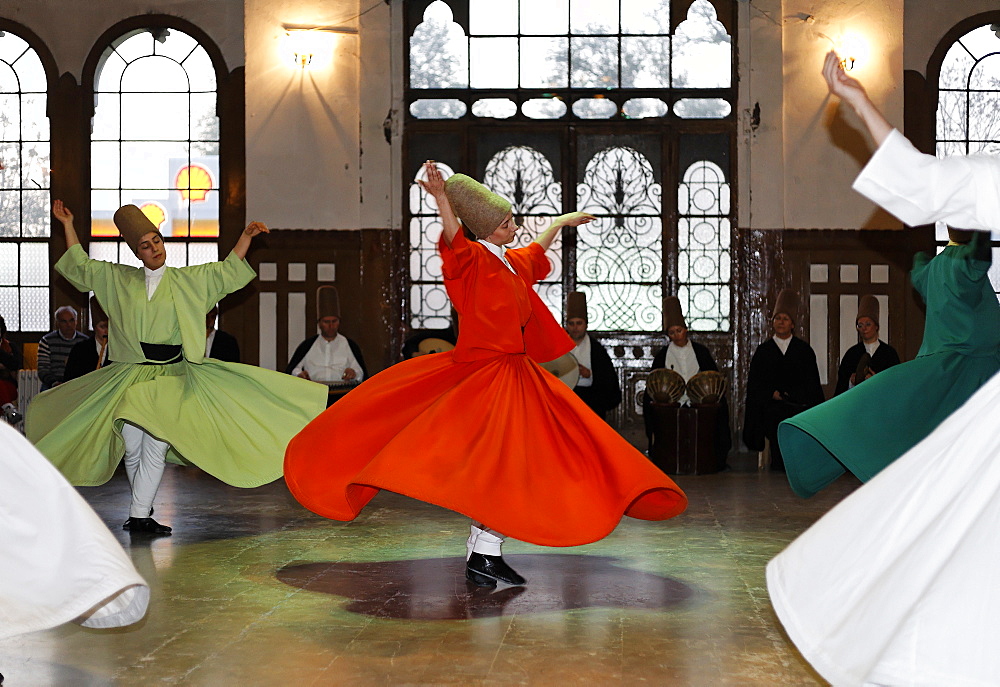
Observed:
{"x":963,"y":191}
{"x":354,"y":365}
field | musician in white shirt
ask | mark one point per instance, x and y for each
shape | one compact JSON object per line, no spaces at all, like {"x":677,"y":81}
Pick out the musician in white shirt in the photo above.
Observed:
{"x":329,"y":357}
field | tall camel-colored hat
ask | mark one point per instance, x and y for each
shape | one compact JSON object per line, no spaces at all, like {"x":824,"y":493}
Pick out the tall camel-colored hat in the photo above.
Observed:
{"x":673,"y":316}
{"x":327,"y":302}
{"x":788,"y":303}
{"x":576,"y":306}
{"x":481,"y":210}
{"x":133,"y":224}
{"x":868,"y":307}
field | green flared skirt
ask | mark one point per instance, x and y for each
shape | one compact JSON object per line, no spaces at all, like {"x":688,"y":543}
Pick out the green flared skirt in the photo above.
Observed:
{"x":231,"y":420}
{"x":866,"y":428}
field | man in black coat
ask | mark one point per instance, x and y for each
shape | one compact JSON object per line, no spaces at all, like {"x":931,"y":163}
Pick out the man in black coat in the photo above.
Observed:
{"x":687,"y":358}
{"x":783,"y":380}
{"x":329,"y":357}
{"x":219,"y":344}
{"x":598,"y":385}
{"x":91,"y":353}
{"x":876,"y":355}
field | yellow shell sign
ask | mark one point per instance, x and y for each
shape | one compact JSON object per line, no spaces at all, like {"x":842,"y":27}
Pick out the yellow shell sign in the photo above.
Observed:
{"x":156,"y":214}
{"x":194,"y":182}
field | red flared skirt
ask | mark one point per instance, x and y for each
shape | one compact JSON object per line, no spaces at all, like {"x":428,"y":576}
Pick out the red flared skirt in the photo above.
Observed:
{"x":499,"y":440}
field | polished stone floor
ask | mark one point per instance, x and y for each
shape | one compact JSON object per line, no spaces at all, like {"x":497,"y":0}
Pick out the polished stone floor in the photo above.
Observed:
{"x":254,"y":590}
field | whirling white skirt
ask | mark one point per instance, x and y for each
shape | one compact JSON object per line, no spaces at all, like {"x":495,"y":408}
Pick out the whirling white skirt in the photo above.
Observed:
{"x":899,"y":584}
{"x":58,"y":561}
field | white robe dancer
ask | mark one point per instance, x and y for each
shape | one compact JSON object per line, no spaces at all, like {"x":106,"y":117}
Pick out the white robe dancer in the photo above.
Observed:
{"x":58,"y":561}
{"x":897,"y":584}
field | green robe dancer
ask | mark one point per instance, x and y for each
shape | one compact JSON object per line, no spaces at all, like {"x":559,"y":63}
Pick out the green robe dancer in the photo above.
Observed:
{"x":868,"y":427}
{"x":231,"y":420}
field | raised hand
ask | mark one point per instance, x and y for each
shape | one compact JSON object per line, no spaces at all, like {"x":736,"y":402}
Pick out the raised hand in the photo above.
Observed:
{"x":574,"y":219}
{"x":434,"y":184}
{"x":255,"y":228}
{"x":62,"y":212}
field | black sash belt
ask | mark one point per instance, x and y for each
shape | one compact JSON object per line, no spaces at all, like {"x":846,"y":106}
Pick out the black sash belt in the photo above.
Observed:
{"x":161,"y":354}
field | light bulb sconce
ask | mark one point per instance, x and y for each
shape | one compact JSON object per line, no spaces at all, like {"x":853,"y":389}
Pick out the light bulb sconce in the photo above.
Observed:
{"x":307,"y":43}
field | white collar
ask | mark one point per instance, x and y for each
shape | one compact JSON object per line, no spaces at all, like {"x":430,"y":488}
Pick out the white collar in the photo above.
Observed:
{"x":158,"y":272}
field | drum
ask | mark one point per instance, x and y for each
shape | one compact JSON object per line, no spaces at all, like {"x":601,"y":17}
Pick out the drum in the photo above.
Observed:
{"x":433,"y":346}
{"x":565,"y":367}
{"x":665,"y":386}
{"x":706,"y":388}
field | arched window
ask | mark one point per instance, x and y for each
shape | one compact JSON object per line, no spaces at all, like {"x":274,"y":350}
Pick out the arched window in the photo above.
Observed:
{"x":585,"y":105}
{"x":155,"y":144}
{"x":24,"y":187}
{"x":968,"y":109}
{"x":618,"y":256}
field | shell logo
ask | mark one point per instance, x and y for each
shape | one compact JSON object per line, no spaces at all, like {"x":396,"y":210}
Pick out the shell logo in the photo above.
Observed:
{"x":194,"y":182}
{"x":156,"y":214}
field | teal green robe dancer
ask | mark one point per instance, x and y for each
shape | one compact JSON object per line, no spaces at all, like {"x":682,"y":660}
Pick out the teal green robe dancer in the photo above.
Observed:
{"x":868,"y":427}
{"x":232,"y":421}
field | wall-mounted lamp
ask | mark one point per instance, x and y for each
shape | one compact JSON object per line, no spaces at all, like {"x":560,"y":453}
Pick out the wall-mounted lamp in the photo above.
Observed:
{"x":852,"y":49}
{"x":307,"y":44}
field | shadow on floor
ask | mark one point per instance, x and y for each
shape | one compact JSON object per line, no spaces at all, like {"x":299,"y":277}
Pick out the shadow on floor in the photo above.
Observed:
{"x":435,"y":588}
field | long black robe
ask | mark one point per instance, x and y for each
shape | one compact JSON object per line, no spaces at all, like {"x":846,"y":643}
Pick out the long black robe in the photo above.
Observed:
{"x":723,"y":435}
{"x":884,"y":358}
{"x":605,"y":393}
{"x":795,"y":376}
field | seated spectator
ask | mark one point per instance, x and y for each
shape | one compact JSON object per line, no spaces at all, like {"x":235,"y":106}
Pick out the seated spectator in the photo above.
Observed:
{"x":91,"y":353}
{"x":880,"y":355}
{"x":219,"y":344}
{"x":10,"y":363}
{"x":54,"y":348}
{"x":329,"y":357}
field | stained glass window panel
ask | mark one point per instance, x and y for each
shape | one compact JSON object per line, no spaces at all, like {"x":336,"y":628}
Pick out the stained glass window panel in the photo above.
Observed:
{"x":543,"y":62}
{"x":595,"y":108}
{"x":494,"y":63}
{"x":646,"y":62}
{"x":702,"y":108}
{"x":704,"y":236}
{"x":645,"y":16}
{"x":548,"y":17}
{"x":34,"y":309}
{"x":439,"y":51}
{"x":10,"y":306}
{"x":702,"y":50}
{"x":640,"y":108}
{"x":34,"y":264}
{"x":493,"y":17}
{"x":497,"y":108}
{"x":544,"y":108}
{"x":594,"y":16}
{"x":201,"y":253}
{"x":445,"y":108}
{"x":594,"y":62}
{"x":8,"y":264}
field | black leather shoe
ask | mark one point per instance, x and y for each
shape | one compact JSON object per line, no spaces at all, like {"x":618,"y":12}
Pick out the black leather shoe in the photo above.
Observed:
{"x":479,"y":580}
{"x":149,"y":525}
{"x":493,"y":567}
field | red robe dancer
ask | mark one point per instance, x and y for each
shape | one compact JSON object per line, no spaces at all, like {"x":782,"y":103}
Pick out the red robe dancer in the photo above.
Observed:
{"x":483,"y":430}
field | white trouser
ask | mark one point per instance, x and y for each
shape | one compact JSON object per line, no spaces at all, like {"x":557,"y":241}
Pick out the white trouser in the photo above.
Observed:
{"x":483,"y":540}
{"x":145,"y":457}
